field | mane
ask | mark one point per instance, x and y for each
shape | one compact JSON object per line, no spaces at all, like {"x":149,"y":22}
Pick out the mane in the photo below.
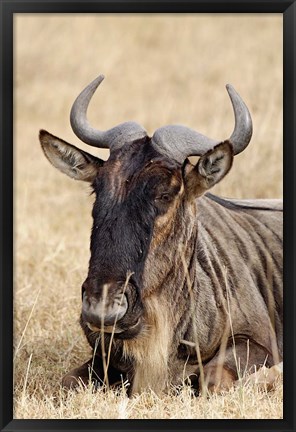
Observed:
{"x":250,"y":204}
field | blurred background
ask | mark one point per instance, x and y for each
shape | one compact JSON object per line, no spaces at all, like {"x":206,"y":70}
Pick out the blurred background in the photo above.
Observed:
{"x":159,"y":69}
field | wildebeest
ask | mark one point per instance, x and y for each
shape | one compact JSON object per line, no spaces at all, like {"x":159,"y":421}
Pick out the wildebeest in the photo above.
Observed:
{"x":182,"y":285}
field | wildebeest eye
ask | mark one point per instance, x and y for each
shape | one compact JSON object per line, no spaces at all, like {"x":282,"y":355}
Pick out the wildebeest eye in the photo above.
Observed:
{"x":164,"y":197}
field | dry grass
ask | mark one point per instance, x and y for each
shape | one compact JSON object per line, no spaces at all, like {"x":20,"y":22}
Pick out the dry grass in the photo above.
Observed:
{"x":159,"y":69}
{"x":240,"y":403}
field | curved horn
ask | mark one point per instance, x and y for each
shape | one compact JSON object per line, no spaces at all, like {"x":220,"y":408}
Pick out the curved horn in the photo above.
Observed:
{"x":112,"y":138}
{"x":243,"y":129}
{"x":179,"y":142}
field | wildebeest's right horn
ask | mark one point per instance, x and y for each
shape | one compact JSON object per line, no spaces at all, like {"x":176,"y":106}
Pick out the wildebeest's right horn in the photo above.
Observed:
{"x":112,"y":138}
{"x":179,"y":142}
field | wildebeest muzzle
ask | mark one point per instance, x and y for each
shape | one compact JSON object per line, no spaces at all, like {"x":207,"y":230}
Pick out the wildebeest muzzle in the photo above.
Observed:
{"x":105,"y":308}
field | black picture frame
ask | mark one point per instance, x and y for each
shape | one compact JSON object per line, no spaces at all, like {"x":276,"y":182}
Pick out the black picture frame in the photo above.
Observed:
{"x":10,"y":7}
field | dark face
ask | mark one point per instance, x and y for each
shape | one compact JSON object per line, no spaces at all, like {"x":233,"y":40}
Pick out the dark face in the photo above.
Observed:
{"x":134,"y":188}
{"x":143,"y":199}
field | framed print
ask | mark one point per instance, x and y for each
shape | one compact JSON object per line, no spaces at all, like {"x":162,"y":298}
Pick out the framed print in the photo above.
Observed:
{"x":147,"y":294}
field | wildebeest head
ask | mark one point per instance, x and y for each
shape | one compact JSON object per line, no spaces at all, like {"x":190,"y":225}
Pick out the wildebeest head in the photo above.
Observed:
{"x":144,"y":186}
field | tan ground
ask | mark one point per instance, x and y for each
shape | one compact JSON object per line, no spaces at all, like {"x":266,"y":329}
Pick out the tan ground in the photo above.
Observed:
{"x":159,"y":69}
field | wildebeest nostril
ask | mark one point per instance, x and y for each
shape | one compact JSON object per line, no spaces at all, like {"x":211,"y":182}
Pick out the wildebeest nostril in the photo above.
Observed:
{"x":105,"y":311}
{"x":82,"y":292}
{"x":85,"y":302}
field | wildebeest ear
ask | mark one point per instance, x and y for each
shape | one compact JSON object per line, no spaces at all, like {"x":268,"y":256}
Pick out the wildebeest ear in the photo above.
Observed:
{"x":67,"y":158}
{"x":209,"y":170}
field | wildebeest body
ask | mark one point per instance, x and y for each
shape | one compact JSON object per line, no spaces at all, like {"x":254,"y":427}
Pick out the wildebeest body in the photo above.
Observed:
{"x":182,"y":285}
{"x":229,"y":267}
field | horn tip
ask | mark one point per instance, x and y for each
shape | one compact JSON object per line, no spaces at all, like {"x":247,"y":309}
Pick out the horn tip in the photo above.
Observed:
{"x":97,"y":81}
{"x":229,"y":88}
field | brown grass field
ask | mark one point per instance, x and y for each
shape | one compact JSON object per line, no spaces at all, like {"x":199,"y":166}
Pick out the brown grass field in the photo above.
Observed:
{"x":160,"y":69}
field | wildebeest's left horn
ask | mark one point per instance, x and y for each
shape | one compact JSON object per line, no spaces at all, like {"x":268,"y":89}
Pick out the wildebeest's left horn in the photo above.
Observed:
{"x":112,"y":138}
{"x":179,"y":142}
